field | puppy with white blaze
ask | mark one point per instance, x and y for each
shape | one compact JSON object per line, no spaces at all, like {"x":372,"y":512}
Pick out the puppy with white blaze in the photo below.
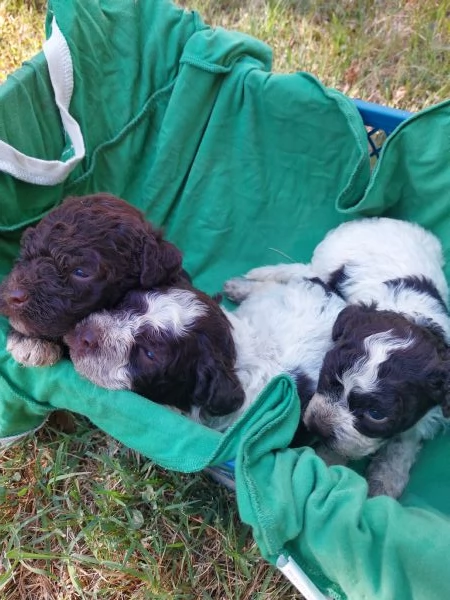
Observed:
{"x":178,"y":347}
{"x":384,"y":386}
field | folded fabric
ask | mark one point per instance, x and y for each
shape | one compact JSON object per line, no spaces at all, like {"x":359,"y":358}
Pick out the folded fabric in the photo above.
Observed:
{"x":242,"y":167}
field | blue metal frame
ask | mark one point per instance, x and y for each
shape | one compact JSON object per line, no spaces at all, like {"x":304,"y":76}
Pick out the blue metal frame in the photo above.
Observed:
{"x":381,"y":117}
{"x":380,"y":121}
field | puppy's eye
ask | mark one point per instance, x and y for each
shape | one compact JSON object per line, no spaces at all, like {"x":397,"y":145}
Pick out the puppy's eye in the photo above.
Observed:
{"x":80,"y":273}
{"x":147,"y":354}
{"x":376,"y":416}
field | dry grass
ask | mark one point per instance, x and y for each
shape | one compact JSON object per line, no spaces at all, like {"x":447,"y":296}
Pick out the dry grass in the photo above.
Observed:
{"x":21,"y":33}
{"x":83,"y":517}
{"x":390,"y":52}
{"x":393,"y":52}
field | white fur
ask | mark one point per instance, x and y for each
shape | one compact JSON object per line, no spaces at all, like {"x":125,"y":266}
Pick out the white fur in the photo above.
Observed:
{"x":173,"y":311}
{"x":363,"y":374}
{"x":32,"y":351}
{"x":347,"y":441}
{"x":378,"y":249}
{"x":374,"y":251}
{"x":388,"y":471}
{"x":284,"y":324}
{"x":277,"y":328}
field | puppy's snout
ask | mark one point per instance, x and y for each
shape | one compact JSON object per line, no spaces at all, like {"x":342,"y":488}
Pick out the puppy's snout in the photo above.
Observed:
{"x":88,"y":339}
{"x":316,"y":424}
{"x":83,"y":340}
{"x":17,"y":297}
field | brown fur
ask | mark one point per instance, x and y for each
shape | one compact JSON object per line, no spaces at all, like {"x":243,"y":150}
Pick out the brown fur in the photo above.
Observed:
{"x":81,"y":257}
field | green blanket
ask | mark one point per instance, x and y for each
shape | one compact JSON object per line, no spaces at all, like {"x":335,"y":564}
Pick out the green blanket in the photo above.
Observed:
{"x":242,"y":167}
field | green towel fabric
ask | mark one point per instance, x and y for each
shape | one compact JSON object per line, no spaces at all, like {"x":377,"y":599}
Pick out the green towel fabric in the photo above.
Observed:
{"x":242,"y":167}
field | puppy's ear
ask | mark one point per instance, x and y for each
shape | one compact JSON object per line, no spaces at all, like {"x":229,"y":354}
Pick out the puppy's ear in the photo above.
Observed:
{"x":27,"y":237}
{"x":444,"y":384}
{"x":346,"y":320}
{"x":437,"y":378}
{"x":160,"y":262}
{"x":217,"y":387}
{"x":436,"y":331}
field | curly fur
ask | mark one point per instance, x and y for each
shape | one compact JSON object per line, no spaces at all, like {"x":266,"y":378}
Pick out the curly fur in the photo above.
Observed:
{"x":276,"y":329}
{"x":389,"y":366}
{"x":81,"y":257}
{"x":172,"y":345}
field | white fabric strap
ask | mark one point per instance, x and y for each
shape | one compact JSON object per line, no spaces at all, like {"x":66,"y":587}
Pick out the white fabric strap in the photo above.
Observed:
{"x":299,"y":579}
{"x":50,"y":172}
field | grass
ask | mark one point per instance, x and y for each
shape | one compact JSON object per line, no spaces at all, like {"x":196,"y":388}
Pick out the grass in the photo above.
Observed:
{"x":394,"y":52}
{"x":21,"y":32}
{"x":81,"y":516}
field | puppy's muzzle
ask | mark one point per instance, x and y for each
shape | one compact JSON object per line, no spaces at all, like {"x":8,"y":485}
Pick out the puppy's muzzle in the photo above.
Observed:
{"x":83,"y":340}
{"x":320,"y":417}
{"x":13,"y":299}
{"x":316,"y":425}
{"x":17,"y":297}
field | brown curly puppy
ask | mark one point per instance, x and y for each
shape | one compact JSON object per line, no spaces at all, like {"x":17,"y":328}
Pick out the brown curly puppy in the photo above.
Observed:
{"x":82,"y":256}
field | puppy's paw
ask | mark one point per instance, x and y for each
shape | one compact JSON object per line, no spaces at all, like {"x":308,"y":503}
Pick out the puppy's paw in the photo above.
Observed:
{"x":238,"y":289}
{"x":283,"y":273}
{"x":390,"y":488}
{"x":388,"y":471}
{"x":384,"y":482}
{"x":32,"y":352}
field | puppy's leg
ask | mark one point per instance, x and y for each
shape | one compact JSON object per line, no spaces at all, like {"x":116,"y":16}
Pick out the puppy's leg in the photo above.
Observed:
{"x":282,"y":273}
{"x":32,"y":352}
{"x":239,"y":288}
{"x":388,"y":471}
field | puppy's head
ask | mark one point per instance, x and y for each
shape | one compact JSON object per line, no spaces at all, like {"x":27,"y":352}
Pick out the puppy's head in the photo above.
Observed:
{"x":381,"y":376}
{"x":83,"y":256}
{"x":171,"y":345}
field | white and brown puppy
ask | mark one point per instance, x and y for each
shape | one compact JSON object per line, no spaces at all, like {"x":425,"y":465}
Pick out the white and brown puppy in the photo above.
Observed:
{"x":385,"y":384}
{"x":82,"y":256}
{"x":178,"y":347}
{"x":173,"y":345}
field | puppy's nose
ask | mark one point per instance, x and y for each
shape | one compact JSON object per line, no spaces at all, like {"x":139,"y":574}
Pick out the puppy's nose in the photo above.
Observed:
{"x":87,"y":339}
{"x":316,"y":424}
{"x":18,"y":296}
